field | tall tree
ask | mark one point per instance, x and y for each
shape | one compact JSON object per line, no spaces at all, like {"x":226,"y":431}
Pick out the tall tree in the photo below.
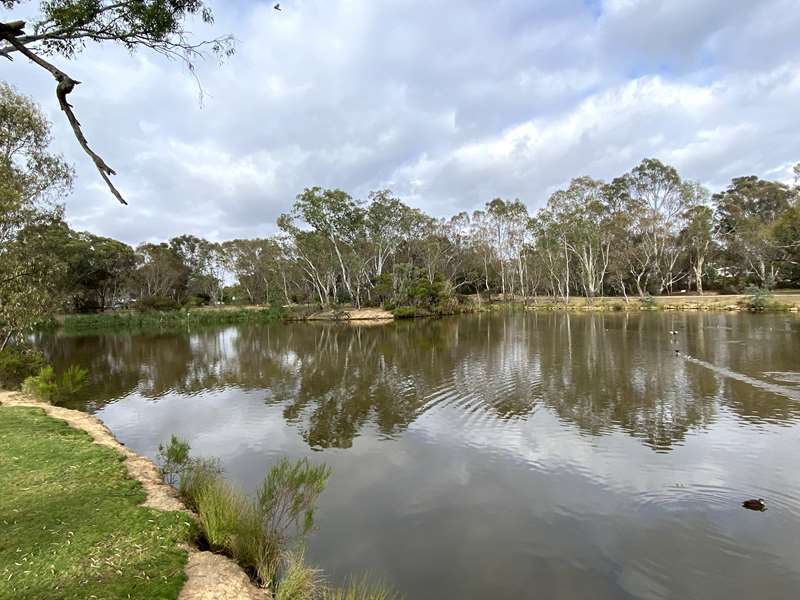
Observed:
{"x":659,"y":198}
{"x":747,"y":212}
{"x":32,"y":180}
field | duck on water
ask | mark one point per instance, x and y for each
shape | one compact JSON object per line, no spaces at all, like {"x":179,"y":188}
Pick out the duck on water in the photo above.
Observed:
{"x":757,"y":504}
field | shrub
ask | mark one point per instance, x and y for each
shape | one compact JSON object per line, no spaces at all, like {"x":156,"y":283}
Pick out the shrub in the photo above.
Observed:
{"x":16,"y":365}
{"x":199,"y":473}
{"x":222,"y":511}
{"x":48,"y":387}
{"x":156,"y":303}
{"x":258,"y":533}
{"x":410,"y":312}
{"x":648,"y":302}
{"x":173,"y":459}
{"x":287,"y":500}
{"x":759,"y":298}
{"x":195,"y":301}
{"x":299,"y":581}
{"x":360,"y":589}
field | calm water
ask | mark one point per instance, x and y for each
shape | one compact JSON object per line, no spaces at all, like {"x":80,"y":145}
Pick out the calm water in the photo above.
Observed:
{"x":504,"y":456}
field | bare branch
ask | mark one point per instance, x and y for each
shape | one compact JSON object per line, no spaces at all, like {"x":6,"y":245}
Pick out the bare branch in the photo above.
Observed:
{"x":65,"y":86}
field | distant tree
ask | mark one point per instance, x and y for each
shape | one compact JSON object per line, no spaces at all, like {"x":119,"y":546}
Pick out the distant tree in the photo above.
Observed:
{"x":583,"y":217}
{"x":659,"y":199}
{"x":203,"y":262}
{"x":335,"y":215}
{"x":64,"y":27}
{"x":160,"y":272}
{"x":746,"y":214}
{"x":698,"y":236}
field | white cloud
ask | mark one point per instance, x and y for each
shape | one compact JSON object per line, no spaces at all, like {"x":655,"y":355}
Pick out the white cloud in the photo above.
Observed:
{"x":448,"y":103}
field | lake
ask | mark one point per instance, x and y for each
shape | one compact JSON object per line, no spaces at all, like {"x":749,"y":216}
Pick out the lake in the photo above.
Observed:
{"x":503,"y":455}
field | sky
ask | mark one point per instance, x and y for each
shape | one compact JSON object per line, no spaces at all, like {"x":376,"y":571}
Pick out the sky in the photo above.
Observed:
{"x":449,"y":103}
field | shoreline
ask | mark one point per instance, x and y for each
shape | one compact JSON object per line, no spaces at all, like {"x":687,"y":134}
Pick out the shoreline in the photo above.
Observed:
{"x":718,"y":303}
{"x":209,"y":576}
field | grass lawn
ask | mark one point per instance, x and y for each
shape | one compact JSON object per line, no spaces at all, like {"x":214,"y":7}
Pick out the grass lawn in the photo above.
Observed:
{"x":70,"y":524}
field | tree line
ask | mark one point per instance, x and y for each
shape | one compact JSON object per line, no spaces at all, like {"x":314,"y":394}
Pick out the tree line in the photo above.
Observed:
{"x":648,"y":231}
{"x":645,"y":232}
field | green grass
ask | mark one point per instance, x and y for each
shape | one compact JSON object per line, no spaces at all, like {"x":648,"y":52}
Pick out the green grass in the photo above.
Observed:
{"x":168,"y":319}
{"x":70,"y":521}
{"x":361,"y":589}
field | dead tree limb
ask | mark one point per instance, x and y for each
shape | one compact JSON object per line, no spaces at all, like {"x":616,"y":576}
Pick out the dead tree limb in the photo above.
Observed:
{"x":65,"y":85}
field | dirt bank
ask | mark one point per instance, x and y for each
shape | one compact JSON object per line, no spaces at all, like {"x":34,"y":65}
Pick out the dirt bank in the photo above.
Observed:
{"x":353,"y":314}
{"x":209,"y":576}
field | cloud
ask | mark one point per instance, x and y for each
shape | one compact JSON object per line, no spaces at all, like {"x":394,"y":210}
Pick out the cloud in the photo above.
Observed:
{"x":449,"y":103}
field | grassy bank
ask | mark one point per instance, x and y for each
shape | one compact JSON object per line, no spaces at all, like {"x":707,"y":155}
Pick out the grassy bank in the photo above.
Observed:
{"x":739,"y":302}
{"x":132,"y":320}
{"x":72,"y":527}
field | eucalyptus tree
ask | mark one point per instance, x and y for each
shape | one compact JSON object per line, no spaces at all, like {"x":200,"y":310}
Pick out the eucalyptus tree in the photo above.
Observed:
{"x":313,"y":255}
{"x":98,"y":268}
{"x":339,"y":219}
{"x":482,"y":240}
{"x":659,"y":198}
{"x":32,"y":180}
{"x":203,"y":261}
{"x":388,"y":223}
{"x":584,"y":221}
{"x":259,"y":266}
{"x":551,"y":250}
{"x":63,"y":28}
{"x":746,"y":213}
{"x":160,"y":272}
{"x":698,"y":237}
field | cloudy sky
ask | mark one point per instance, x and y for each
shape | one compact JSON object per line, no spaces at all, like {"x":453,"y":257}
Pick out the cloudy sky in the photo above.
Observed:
{"x":447,"y":102}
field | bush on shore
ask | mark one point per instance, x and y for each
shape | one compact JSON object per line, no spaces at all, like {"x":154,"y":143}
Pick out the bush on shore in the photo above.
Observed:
{"x":168,"y":319}
{"x":266,"y":534}
{"x":49,"y":387}
{"x":17,"y":364}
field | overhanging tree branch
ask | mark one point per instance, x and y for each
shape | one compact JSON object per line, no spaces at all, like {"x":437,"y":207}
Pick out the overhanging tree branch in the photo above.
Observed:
{"x":64,"y":87}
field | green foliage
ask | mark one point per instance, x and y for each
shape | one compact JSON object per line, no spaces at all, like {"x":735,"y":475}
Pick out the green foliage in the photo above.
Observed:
{"x":31,"y":178}
{"x":65,"y":26}
{"x":169,"y":319}
{"x":410,"y":312}
{"x":48,"y":387}
{"x":17,"y":364}
{"x":759,"y":298}
{"x":648,"y":302}
{"x":223,"y":511}
{"x":173,"y":459}
{"x":73,"y":527}
{"x":258,"y":533}
{"x":361,"y":589}
{"x":299,"y":581}
{"x":194,"y":476}
{"x":156,"y":303}
{"x":287,"y":500}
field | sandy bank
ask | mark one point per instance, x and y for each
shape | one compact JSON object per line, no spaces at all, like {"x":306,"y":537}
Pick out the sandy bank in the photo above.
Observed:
{"x":209,"y":576}
{"x":353,"y":314}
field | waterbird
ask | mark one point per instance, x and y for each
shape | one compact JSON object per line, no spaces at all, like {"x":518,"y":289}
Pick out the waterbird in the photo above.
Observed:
{"x":277,"y":6}
{"x":757,"y":504}
{"x":673,"y":332}
{"x":677,"y":351}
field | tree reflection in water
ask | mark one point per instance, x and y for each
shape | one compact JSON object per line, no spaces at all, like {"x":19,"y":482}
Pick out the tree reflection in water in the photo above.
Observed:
{"x":598,"y":372}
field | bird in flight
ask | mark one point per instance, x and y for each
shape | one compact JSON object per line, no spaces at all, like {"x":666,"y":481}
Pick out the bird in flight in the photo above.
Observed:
{"x":277,"y":6}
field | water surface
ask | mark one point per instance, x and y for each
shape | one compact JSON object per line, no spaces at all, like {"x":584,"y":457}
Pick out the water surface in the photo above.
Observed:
{"x":512,"y":455}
